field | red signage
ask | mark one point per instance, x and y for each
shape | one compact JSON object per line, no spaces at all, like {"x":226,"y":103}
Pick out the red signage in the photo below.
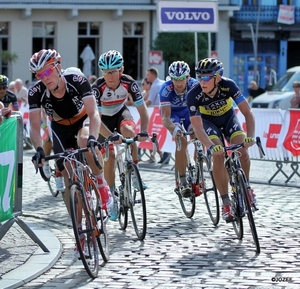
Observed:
{"x":155,"y":57}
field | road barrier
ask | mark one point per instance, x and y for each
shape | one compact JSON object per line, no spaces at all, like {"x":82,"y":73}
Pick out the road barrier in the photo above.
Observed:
{"x":11,"y":176}
{"x":279,"y":131}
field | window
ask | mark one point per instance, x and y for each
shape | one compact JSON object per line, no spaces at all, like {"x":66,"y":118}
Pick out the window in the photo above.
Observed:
{"x":3,"y":46}
{"x":88,"y":38}
{"x":133,"y":36}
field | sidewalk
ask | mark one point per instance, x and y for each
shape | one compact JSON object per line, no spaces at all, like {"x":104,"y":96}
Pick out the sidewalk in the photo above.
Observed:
{"x":22,"y":260}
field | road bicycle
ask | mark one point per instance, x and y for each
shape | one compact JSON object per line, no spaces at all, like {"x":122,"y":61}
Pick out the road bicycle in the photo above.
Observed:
{"x":240,"y":201}
{"x":85,"y":203}
{"x":130,"y":192}
{"x":200,"y":180}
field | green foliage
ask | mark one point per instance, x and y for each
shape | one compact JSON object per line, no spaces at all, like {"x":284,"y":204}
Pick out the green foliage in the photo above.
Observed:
{"x":181,"y":46}
{"x":8,"y":56}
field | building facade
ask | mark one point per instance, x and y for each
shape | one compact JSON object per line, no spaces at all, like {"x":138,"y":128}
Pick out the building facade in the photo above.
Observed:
{"x":130,"y":26}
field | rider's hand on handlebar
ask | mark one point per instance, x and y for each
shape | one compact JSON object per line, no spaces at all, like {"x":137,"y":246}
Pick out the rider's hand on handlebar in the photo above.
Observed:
{"x":39,"y":157}
{"x":92,"y":142}
{"x":177,"y":132}
{"x":248,"y":142}
{"x":115,"y":138}
{"x":216,"y":149}
{"x":143,"y":135}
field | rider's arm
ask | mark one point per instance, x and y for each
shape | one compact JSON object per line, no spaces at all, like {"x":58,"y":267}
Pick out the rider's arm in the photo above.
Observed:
{"x":144,"y":116}
{"x":35,"y":128}
{"x":92,"y":112}
{"x":166,"y":118}
{"x":199,"y":131}
{"x":249,"y":117}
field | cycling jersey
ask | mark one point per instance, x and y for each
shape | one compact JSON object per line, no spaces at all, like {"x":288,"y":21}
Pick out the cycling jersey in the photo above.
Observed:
{"x":111,"y":102}
{"x":217,"y":112}
{"x":10,"y":99}
{"x":218,"y":105}
{"x":168,"y":95}
{"x":66,"y":110}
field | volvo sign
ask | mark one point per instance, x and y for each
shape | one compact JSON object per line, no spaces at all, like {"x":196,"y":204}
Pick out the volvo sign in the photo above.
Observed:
{"x":187,"y":16}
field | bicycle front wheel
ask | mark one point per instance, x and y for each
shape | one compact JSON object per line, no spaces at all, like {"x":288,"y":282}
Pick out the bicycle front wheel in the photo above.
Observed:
{"x":241,"y":176}
{"x":52,"y":183}
{"x":85,"y":234}
{"x":188,"y":205}
{"x":137,"y":202}
{"x":208,"y":187}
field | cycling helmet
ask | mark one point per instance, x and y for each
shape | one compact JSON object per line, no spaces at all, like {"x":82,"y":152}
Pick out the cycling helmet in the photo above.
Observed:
{"x":179,"y":68}
{"x":110,"y":60}
{"x":43,"y":58}
{"x":211,"y":66}
{"x":4,"y":80}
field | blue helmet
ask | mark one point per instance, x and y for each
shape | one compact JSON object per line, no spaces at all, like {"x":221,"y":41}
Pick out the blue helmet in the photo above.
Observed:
{"x":110,"y":60}
{"x":210,"y":66}
{"x":179,"y":68}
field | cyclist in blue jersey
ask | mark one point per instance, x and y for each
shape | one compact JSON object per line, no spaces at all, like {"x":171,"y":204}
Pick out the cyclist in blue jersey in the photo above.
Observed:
{"x":210,"y":105}
{"x":174,"y":108}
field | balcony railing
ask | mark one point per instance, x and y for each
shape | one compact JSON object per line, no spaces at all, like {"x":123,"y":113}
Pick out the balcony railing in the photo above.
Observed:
{"x":268,"y":14}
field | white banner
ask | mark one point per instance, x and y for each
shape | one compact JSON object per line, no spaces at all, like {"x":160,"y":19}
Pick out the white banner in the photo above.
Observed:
{"x":286,"y":14}
{"x":192,"y":16}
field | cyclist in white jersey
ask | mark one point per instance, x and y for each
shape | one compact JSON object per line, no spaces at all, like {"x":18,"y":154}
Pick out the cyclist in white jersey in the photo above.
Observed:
{"x":111,"y":92}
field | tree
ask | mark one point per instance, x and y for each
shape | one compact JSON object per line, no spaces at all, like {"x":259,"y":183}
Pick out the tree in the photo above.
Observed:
{"x":181,"y":46}
{"x":8,"y":57}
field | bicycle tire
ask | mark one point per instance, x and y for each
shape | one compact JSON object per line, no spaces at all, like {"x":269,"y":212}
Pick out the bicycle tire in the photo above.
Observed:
{"x":188,"y":205}
{"x":102,"y":220}
{"x":52,"y":184}
{"x":89,"y":258}
{"x":123,"y":209}
{"x":137,"y":203}
{"x":242,"y":177}
{"x":208,"y":186}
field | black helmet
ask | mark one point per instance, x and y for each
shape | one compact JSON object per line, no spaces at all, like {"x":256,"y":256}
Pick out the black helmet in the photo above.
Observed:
{"x":210,"y":66}
{"x":3,"y":80}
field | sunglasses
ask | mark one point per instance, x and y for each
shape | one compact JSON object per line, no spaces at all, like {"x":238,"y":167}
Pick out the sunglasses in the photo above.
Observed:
{"x":146,"y":82}
{"x":110,"y":72}
{"x":182,"y":77}
{"x":3,"y":87}
{"x":296,"y":86}
{"x":205,"y":78}
{"x":47,"y":72}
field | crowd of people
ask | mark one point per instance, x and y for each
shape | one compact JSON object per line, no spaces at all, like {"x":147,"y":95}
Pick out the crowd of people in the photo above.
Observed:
{"x":80,"y":110}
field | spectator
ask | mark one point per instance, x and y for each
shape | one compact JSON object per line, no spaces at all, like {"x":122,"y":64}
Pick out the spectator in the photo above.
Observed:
{"x":295,"y":100}
{"x":4,"y":112}
{"x":27,"y":84}
{"x":21,"y":92}
{"x":255,"y":90}
{"x":153,"y":99}
{"x":12,"y":87}
{"x":7,"y":97}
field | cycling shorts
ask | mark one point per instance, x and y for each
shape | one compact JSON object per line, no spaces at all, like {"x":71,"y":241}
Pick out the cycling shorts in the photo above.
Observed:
{"x":117,"y":121}
{"x":228,"y":123}
{"x":64,"y":137}
{"x":176,"y":117}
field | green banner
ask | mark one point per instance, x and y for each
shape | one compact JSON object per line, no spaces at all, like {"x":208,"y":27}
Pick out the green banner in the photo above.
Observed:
{"x":8,"y":167}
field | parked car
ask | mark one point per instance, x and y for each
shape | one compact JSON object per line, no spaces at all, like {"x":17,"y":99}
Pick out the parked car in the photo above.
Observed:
{"x":281,"y":93}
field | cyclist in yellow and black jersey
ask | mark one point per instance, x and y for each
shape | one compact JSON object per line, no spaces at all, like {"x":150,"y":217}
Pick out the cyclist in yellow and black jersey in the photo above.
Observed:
{"x":7,"y":97}
{"x":210,"y":104}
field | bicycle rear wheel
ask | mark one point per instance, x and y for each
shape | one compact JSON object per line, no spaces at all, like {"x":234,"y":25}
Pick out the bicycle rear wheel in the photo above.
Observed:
{"x":188,"y":205}
{"x":102,"y":219}
{"x":241,"y":176}
{"x":137,"y":202}
{"x":209,"y":189}
{"x":123,"y":209}
{"x":89,"y":254}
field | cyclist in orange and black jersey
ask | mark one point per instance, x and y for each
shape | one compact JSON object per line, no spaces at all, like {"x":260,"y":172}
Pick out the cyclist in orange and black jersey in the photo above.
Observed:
{"x":210,"y":104}
{"x":111,"y":92}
